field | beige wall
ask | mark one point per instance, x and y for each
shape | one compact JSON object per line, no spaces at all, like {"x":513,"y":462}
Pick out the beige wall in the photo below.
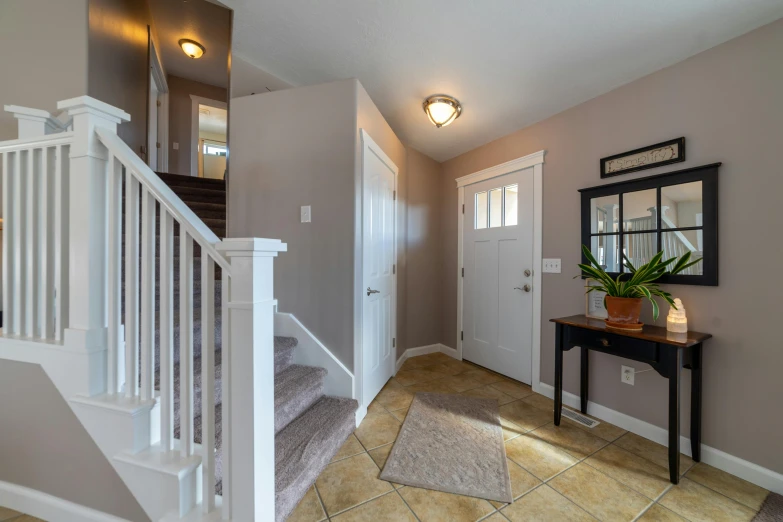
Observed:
{"x":291,"y":148}
{"x":118,"y":72}
{"x":424,"y":284}
{"x":180,"y":113}
{"x":50,"y":451}
{"x":727,"y":103}
{"x":57,"y":46}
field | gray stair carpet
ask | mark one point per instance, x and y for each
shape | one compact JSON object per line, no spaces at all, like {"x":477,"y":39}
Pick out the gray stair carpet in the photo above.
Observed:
{"x":310,"y":428}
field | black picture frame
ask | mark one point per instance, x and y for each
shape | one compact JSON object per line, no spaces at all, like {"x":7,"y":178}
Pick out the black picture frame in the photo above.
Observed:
{"x":680,"y":142}
{"x":707,"y":174}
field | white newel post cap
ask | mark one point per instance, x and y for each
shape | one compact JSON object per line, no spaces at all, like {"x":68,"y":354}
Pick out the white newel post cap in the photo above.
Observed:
{"x":250,"y":247}
{"x":88,"y":113}
{"x":34,"y":122}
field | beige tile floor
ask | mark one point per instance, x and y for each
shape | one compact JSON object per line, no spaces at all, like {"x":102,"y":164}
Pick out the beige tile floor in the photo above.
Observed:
{"x":9,"y":515}
{"x":557,"y":473}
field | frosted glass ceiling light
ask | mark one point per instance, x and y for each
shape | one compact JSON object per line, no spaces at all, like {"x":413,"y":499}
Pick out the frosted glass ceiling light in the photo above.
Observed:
{"x":192,"y":48}
{"x":442,"y":109}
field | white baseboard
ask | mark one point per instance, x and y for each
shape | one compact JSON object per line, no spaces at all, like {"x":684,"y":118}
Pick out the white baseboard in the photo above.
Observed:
{"x":424,"y":350}
{"x":766,"y":478}
{"x":310,"y":351}
{"x":47,"y":507}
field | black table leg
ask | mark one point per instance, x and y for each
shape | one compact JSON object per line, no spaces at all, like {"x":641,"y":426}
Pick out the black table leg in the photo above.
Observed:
{"x":558,"y":372}
{"x":674,"y":369}
{"x":696,"y":402}
{"x":583,"y":381}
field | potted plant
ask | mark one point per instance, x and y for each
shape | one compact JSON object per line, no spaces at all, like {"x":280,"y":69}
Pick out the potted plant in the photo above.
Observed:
{"x":625,"y":293}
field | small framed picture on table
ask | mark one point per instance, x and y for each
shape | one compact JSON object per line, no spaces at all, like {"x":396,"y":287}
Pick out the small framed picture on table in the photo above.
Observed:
{"x":594,"y":302}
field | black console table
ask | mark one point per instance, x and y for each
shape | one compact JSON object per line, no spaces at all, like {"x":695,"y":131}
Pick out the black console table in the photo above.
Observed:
{"x":665,"y":351}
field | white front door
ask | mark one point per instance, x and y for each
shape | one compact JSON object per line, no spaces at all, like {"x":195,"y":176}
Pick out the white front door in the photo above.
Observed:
{"x":498,"y":278}
{"x":379,"y":279}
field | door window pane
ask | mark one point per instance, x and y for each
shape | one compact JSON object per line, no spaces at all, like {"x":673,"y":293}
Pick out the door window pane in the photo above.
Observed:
{"x":605,"y":214}
{"x":677,"y":244}
{"x":640,"y":248}
{"x":496,"y":208}
{"x":481,"y":210}
{"x":510,"y":205}
{"x":639,"y":210}
{"x":606,"y":250}
{"x":681,"y":205}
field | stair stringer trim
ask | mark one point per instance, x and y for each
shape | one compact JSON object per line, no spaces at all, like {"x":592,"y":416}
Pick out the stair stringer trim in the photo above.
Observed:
{"x":339,"y":381}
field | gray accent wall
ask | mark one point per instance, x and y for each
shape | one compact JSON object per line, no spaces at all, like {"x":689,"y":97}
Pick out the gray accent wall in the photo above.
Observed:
{"x":727,"y":103}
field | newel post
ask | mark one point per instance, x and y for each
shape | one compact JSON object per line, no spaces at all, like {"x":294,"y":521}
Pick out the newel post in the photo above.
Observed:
{"x":250,"y":307}
{"x":87,"y":228}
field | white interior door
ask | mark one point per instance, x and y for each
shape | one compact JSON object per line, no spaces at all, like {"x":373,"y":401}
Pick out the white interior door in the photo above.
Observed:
{"x":498,"y":278}
{"x":379,"y":279}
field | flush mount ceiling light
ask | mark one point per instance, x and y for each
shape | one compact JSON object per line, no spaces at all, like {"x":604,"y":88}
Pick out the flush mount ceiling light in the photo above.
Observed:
{"x":192,"y":48}
{"x":442,"y":109}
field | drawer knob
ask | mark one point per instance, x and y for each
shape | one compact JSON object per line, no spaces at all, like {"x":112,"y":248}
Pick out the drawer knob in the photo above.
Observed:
{"x":605,"y":342}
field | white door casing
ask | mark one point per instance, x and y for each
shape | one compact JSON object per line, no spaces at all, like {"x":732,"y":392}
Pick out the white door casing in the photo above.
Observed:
{"x":379,"y":279}
{"x":158,"y":76}
{"x":534,"y":165}
{"x":152,"y":123}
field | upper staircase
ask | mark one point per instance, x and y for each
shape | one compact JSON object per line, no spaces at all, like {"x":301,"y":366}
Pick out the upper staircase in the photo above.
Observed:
{"x":159,"y":333}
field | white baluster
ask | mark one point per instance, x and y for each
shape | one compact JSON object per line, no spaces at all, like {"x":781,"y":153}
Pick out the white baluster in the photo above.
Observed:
{"x":208,"y":380}
{"x":147,"y":295}
{"x":113,"y":357}
{"x":46,"y":287}
{"x":225,"y":378}
{"x":185,"y":343}
{"x":131,"y":285}
{"x":61,"y":213}
{"x":19,"y":233}
{"x":166,"y":330}
{"x":31,"y":244}
{"x":8,"y":288}
{"x":252,"y":435}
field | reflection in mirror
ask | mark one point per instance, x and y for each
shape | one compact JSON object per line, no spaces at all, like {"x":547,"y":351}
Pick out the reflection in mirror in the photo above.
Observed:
{"x":640,"y":248}
{"x":606,"y":251}
{"x":682,"y":205}
{"x":678,"y":243}
{"x":639,"y":210}
{"x":605,"y":214}
{"x":481,"y":210}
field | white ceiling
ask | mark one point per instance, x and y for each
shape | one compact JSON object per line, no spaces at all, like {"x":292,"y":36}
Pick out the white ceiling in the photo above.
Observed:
{"x":510,"y":62}
{"x":198,"y":20}
{"x":212,"y":120}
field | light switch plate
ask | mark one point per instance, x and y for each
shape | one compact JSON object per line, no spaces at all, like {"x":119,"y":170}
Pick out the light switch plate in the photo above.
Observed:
{"x":175,"y":145}
{"x":306,"y":215}
{"x":551,"y":266}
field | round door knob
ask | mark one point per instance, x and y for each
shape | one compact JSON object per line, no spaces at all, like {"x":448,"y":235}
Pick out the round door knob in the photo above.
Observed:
{"x":527,"y":272}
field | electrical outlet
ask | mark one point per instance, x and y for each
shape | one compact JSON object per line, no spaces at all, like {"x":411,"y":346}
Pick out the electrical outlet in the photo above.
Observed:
{"x":305,"y":214}
{"x":627,"y":374}
{"x":551,"y":266}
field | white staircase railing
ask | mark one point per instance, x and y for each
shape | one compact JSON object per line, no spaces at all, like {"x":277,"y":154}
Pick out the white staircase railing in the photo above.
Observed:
{"x":65,"y":247}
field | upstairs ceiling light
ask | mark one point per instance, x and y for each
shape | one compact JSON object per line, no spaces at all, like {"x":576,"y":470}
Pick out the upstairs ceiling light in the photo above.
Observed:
{"x":192,"y":48}
{"x":442,"y":109}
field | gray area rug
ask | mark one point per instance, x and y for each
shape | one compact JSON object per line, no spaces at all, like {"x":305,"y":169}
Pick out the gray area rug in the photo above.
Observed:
{"x":772,"y":510}
{"x":451,"y":443}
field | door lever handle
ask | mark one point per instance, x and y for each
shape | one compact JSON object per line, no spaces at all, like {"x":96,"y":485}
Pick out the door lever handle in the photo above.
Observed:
{"x":526,"y":288}
{"x":371,"y":291}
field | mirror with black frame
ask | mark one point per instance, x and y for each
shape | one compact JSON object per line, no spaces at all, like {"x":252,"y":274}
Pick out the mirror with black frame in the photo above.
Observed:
{"x":676,"y":213}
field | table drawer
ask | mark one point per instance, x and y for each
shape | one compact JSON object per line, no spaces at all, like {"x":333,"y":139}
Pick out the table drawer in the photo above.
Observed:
{"x":616,"y":344}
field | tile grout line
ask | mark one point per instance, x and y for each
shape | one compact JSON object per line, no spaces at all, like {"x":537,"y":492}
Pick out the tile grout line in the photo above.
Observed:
{"x":320,"y":501}
{"x":406,"y":504}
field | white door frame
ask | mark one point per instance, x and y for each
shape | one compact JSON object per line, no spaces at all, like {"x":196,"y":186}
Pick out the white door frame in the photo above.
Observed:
{"x":195,"y":101}
{"x":536,"y":162}
{"x":159,"y":76}
{"x":368,"y":147}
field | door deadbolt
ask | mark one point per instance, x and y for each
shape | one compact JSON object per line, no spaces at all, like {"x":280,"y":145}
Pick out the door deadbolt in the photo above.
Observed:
{"x":527,"y":272}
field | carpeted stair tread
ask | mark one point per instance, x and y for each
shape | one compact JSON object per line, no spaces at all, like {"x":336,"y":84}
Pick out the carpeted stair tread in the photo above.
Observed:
{"x":296,"y":389}
{"x":284,"y":352}
{"x":305,"y":447}
{"x":173,"y":180}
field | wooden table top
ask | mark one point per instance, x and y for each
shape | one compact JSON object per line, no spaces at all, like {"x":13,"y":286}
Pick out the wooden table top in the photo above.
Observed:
{"x":656,"y":334}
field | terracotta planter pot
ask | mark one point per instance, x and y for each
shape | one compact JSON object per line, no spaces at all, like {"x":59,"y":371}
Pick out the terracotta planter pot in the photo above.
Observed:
{"x":624,"y":310}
